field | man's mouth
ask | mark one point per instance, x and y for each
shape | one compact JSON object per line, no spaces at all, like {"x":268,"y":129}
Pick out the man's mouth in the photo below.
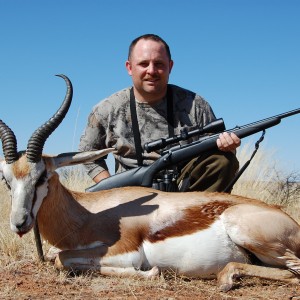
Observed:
{"x":153,"y":80}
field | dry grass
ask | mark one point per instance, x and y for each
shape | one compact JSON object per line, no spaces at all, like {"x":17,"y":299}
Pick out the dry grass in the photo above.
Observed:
{"x":24,"y":277}
{"x":75,"y":178}
{"x":265,"y":179}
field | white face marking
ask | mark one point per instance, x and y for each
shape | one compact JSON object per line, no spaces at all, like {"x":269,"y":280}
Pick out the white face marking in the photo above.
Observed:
{"x":41,"y":193}
{"x":22,"y":190}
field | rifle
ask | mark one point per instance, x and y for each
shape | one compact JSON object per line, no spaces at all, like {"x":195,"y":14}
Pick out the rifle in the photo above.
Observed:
{"x":144,"y":175}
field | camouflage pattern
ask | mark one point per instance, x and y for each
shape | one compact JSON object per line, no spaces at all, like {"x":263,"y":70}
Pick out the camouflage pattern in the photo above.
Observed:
{"x":110,"y":125}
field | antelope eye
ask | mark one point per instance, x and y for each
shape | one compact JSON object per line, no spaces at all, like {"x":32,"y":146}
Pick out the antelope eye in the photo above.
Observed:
{"x":42,"y":178}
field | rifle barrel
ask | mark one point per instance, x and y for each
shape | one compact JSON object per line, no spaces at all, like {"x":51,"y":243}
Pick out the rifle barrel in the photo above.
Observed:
{"x":289,"y":113}
{"x":280,"y":116}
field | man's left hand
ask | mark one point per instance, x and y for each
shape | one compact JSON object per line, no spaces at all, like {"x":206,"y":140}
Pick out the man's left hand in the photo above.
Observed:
{"x":228,"y":142}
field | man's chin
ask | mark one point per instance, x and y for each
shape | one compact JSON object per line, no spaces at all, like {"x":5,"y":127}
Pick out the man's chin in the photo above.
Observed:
{"x":152,"y":87}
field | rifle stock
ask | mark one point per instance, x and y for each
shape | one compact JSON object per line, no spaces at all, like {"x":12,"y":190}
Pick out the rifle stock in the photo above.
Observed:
{"x":143,"y":176}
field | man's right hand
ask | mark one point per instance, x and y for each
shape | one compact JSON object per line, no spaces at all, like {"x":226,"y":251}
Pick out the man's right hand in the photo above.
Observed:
{"x":104,"y":174}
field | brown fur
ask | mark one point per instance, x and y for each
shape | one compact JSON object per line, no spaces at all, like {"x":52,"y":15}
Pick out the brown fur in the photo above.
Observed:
{"x":195,"y":218}
{"x":21,"y":167}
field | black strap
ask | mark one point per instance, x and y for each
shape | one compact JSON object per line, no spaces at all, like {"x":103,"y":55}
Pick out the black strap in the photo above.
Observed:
{"x":170,"y":114}
{"x":135,"y":129}
{"x":135,"y":124}
{"x":38,"y":241}
{"x":245,"y":166}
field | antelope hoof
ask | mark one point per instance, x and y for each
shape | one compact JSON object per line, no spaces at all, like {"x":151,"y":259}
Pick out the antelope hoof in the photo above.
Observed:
{"x":225,"y":287}
{"x":52,"y":254}
{"x":58,"y":264}
{"x":153,"y":273}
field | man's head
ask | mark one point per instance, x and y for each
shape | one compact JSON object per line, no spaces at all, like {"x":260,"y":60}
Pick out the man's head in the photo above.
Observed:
{"x":149,"y":63}
{"x":152,"y":37}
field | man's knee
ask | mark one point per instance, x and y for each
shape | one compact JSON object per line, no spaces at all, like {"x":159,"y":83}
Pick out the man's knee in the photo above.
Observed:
{"x":210,"y":172}
{"x":226,"y":162}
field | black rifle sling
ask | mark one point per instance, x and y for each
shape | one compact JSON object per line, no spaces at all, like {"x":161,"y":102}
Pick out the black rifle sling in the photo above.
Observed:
{"x":170,"y":113}
{"x":135,"y":124}
{"x":135,"y":129}
{"x":245,"y":166}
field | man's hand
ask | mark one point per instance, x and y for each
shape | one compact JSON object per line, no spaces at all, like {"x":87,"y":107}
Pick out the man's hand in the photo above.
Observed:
{"x":228,"y":142}
{"x":104,"y":174}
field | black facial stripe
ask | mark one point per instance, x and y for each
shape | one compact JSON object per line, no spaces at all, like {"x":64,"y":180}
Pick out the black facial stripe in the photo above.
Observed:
{"x":6,"y":183}
{"x":42,"y":179}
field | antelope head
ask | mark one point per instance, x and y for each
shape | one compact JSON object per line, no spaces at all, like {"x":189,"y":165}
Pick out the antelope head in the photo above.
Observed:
{"x":27,"y":173}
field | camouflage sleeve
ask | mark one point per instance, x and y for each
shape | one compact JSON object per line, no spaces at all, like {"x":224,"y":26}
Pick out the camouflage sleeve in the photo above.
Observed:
{"x":93,"y":138}
{"x":204,"y":111}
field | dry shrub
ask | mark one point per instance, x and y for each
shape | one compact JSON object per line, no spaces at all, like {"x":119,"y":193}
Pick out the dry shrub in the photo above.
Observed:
{"x":259,"y":175}
{"x":266,"y":180}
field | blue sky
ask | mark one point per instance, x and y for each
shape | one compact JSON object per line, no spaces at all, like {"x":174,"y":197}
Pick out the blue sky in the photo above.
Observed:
{"x":241,"y":56}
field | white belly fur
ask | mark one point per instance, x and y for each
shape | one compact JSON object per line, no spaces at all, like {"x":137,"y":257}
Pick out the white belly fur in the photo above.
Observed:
{"x":201,"y":254}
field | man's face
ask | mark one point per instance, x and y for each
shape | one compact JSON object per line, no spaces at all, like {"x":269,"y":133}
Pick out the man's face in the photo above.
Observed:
{"x":149,"y":66}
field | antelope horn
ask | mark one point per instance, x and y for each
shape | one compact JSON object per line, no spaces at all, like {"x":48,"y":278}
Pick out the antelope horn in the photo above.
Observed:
{"x":36,"y":142}
{"x":9,"y":143}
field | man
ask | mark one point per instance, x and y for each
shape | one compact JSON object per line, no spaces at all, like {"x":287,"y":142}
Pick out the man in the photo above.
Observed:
{"x":162,"y":110}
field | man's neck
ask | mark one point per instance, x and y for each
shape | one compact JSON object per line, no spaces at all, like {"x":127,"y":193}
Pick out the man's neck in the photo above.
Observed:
{"x":148,"y":98}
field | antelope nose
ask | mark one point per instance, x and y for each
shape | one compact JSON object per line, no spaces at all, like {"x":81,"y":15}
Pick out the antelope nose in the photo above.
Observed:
{"x":20,"y":225}
{"x":20,"y":220}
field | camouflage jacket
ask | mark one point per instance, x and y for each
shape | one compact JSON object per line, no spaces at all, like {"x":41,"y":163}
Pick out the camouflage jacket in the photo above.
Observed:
{"x":110,"y":125}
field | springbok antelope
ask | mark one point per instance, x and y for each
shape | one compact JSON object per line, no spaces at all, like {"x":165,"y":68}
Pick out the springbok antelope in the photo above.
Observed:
{"x":141,"y":231}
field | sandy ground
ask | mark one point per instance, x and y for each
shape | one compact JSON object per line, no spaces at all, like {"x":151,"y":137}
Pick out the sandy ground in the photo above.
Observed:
{"x":35,"y":280}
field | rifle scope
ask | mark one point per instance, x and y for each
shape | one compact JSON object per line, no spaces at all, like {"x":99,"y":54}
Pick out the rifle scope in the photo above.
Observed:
{"x":212,"y":127}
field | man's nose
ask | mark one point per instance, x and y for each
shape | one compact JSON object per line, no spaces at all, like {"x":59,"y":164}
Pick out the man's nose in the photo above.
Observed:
{"x":151,"y":68}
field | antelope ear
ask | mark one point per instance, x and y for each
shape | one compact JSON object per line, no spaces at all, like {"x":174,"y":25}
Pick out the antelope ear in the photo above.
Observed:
{"x":74,"y":158}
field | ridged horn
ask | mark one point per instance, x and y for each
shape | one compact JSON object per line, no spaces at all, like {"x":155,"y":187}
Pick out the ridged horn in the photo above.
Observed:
{"x":9,"y":143}
{"x":37,"y":141}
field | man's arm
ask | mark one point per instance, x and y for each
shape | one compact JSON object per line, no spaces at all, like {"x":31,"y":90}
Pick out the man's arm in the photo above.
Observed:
{"x":93,"y":138}
{"x":104,"y":174}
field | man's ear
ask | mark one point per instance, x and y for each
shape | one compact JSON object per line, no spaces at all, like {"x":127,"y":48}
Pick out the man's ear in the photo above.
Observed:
{"x":128,"y":67}
{"x":171,"y":63}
